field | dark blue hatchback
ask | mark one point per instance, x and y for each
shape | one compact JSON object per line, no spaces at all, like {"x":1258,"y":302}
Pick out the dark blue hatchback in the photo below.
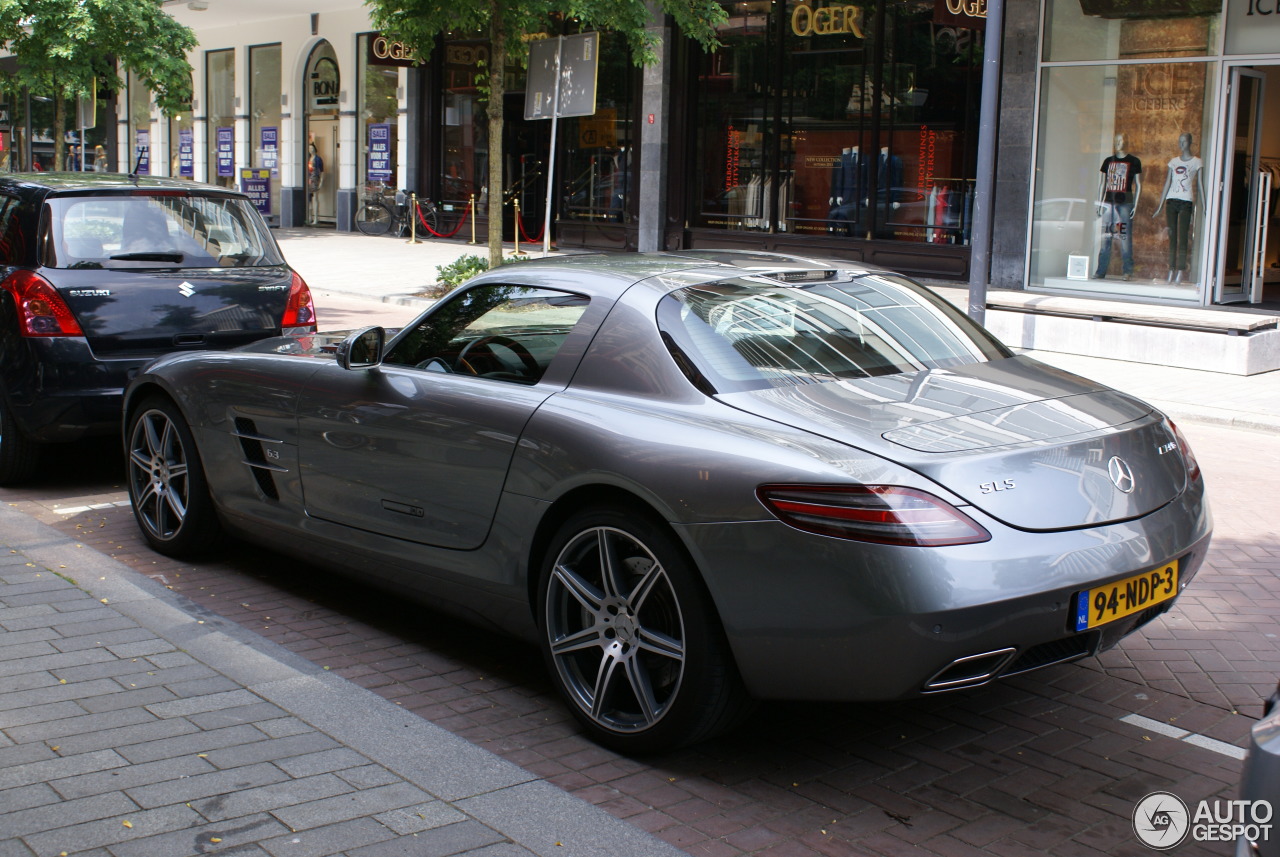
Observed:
{"x":100,"y":274}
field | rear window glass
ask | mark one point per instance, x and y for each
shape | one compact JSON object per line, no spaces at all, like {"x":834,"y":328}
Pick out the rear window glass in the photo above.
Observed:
{"x":750,"y":335}
{"x":163,"y":230}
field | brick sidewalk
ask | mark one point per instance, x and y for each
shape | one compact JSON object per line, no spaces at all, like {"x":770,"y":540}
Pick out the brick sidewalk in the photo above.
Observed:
{"x":130,"y":727}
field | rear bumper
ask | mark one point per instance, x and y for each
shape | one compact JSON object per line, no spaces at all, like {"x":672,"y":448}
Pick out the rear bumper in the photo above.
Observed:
{"x":810,"y":617}
{"x":58,"y":391}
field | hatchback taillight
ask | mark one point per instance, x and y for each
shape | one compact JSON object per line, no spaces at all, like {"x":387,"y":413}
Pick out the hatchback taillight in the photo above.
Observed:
{"x":883,"y":514}
{"x":41,"y":310}
{"x":301,"y":310}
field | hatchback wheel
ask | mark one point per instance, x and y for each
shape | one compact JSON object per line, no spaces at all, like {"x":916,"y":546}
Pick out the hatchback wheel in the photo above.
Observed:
{"x":630,"y":636}
{"x":19,"y":454}
{"x":166,"y":481}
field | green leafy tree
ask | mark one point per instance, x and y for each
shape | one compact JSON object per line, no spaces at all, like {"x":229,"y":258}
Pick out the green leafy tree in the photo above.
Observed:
{"x":507,"y":23}
{"x":65,"y":48}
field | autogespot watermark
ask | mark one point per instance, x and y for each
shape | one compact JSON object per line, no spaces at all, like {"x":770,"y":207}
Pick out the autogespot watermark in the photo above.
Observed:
{"x":1162,"y":820}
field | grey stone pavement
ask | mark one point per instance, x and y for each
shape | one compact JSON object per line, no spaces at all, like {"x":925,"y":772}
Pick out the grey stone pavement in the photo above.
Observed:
{"x":135,"y":722}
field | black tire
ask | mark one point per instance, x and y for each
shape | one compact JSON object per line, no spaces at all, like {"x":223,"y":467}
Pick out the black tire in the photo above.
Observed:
{"x":374,"y":218}
{"x":19,"y":454}
{"x":167,"y":485}
{"x":639,"y":655}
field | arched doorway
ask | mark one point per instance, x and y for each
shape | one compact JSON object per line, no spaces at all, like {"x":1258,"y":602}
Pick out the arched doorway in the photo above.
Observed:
{"x":322,"y":85}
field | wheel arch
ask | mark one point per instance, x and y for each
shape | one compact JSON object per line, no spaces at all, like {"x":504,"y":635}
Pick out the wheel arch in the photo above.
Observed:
{"x":138,"y":392}
{"x":596,"y":496}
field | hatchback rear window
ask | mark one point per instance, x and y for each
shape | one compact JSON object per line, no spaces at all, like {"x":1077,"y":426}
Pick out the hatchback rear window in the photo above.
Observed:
{"x":150,"y":231}
{"x":750,"y":334}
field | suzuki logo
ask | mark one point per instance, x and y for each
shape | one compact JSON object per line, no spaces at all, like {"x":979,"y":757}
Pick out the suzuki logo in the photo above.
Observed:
{"x":186,"y":289}
{"x":1120,"y":474}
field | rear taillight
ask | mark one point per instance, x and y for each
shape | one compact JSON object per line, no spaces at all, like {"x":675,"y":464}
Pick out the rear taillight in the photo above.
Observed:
{"x":1193,"y":466}
{"x":41,"y":310}
{"x":883,"y":514}
{"x":301,"y":310}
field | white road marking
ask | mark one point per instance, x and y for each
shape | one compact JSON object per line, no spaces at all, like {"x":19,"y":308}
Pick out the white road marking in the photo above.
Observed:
{"x":1172,"y":731}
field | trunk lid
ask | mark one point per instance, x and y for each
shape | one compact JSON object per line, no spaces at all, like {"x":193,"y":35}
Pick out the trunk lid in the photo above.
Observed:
{"x":1035,"y":447}
{"x":145,"y":311}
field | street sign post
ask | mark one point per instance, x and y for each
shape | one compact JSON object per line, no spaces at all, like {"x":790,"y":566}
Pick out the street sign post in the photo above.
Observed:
{"x":562,"y":82}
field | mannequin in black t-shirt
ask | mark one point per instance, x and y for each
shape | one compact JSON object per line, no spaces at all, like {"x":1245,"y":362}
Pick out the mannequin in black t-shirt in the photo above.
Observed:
{"x":1118,"y":193}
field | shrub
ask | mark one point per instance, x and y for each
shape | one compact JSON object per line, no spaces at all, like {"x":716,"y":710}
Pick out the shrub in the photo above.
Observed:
{"x":461,"y":270}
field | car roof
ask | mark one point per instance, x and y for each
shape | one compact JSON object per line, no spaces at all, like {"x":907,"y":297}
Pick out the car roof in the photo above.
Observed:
{"x":64,"y":182}
{"x":613,"y":273}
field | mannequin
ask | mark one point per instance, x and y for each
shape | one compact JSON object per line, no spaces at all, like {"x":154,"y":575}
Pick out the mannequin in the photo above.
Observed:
{"x":1118,"y":193}
{"x":315,"y":175}
{"x":1183,"y":188}
{"x":846,"y":187}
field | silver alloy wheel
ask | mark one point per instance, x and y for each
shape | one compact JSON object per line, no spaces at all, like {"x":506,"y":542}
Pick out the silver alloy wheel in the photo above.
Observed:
{"x":615,"y":629}
{"x":158,"y":477}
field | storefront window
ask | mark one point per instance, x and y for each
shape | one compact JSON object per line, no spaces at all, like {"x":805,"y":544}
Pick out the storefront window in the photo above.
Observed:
{"x":735,"y":122}
{"x":182,"y":145}
{"x":804,"y":126}
{"x":265,"y":116}
{"x":220,"y":90}
{"x":139,"y":125}
{"x":598,"y":153}
{"x":1129,"y":29}
{"x":378,"y":109}
{"x":465,"y":162}
{"x":1120,"y":190}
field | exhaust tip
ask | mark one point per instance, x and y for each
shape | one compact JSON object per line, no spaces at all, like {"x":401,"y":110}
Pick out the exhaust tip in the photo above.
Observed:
{"x":970,"y":671}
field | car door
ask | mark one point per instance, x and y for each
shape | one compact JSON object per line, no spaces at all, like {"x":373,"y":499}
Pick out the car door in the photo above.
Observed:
{"x":418,"y":448}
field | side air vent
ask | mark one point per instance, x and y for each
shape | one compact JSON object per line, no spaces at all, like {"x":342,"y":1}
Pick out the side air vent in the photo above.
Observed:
{"x":260,"y":455}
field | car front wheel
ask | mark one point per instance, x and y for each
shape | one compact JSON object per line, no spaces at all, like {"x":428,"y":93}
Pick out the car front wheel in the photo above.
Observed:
{"x":630,"y":636}
{"x":167,"y":485}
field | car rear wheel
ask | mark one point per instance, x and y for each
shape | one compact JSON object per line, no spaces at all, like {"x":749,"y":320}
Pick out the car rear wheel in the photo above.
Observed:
{"x":166,"y":481}
{"x":19,"y":454}
{"x":630,"y":636}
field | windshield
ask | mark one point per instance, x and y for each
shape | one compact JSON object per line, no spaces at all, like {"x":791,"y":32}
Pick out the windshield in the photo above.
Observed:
{"x":749,"y":334}
{"x":157,"y":230}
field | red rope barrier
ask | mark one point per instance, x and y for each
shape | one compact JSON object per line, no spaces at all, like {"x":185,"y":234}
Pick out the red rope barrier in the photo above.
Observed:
{"x":427,"y":226}
{"x":520,"y":226}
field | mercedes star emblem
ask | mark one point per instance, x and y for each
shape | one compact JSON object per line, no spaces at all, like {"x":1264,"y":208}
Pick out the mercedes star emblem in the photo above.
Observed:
{"x":1120,"y":474}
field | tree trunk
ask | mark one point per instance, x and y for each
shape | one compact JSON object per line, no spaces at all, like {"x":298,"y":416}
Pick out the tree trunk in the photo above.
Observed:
{"x":497,"y":68}
{"x":59,"y":130}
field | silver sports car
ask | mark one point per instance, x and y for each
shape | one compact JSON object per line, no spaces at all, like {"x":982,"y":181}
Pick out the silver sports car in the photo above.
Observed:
{"x":693,"y":479}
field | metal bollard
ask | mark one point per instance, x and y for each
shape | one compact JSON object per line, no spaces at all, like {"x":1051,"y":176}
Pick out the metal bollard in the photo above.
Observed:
{"x":413,"y":219}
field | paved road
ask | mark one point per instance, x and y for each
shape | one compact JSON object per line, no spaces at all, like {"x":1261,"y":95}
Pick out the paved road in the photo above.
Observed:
{"x":1042,"y":763}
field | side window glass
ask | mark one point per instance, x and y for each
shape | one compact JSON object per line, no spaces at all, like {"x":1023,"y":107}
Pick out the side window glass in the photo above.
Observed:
{"x":12,"y":241}
{"x":504,"y":333}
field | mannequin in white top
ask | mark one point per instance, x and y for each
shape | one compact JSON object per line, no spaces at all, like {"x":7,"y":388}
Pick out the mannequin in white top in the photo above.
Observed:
{"x":1183,"y":189}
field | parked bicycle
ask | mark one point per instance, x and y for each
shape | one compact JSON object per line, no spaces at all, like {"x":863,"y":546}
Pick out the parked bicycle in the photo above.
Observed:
{"x":382,"y":211}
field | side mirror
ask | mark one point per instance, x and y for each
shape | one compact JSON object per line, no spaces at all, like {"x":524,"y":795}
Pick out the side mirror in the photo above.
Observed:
{"x":362,"y":349}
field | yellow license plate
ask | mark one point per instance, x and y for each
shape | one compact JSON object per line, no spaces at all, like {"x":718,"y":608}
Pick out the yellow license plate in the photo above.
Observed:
{"x":1104,"y":604}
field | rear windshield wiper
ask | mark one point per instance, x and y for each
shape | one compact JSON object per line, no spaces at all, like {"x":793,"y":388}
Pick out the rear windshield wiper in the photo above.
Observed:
{"x":147,"y":257}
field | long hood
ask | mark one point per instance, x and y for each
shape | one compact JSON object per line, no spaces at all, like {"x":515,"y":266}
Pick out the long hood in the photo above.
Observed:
{"x":1032,"y":446}
{"x":140,"y":312}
